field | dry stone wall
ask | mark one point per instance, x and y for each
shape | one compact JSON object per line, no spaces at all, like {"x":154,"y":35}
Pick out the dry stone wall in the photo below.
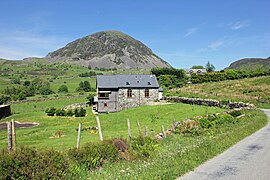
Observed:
{"x":209,"y":102}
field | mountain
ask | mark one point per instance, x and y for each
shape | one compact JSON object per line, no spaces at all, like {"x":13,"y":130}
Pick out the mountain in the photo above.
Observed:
{"x":108,"y":49}
{"x":250,"y":64}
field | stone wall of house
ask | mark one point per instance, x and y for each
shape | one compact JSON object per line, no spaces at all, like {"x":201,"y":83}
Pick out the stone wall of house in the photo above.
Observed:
{"x":108,"y":104}
{"x":138,"y":98}
{"x":210,"y":102}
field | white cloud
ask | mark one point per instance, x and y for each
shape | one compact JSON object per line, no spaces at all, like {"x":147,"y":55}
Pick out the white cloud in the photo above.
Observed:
{"x":239,"y":24}
{"x":215,"y":45}
{"x":22,"y":44}
{"x":190,"y":32}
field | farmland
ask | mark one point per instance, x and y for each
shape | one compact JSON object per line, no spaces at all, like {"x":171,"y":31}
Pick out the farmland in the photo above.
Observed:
{"x":114,"y":125}
{"x":166,"y":159}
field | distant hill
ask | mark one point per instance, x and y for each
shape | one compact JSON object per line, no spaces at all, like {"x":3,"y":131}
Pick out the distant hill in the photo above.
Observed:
{"x":108,"y":49}
{"x":250,"y":64}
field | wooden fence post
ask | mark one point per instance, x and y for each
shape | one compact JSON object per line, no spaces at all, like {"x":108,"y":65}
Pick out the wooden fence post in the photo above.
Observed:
{"x":146,"y":131}
{"x":13,"y":135}
{"x":139,"y":128}
{"x":99,"y":129}
{"x":129,"y":133}
{"x":9,"y":134}
{"x":79,"y":135}
{"x":163,"y":132}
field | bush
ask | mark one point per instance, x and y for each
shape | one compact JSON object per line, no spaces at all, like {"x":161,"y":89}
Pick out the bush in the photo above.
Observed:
{"x":51,"y":111}
{"x":93,"y":155}
{"x":70,"y":112}
{"x":235,"y":113}
{"x":63,"y":89}
{"x":45,"y":91}
{"x":190,"y":127}
{"x":28,"y":163}
{"x":60,"y":112}
{"x":143,"y":147}
{"x":79,"y":112}
{"x":90,"y":98}
{"x":4,"y":99}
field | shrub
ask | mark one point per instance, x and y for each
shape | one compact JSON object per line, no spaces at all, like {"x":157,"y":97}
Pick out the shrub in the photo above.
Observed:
{"x":45,"y":91}
{"x":235,"y":113}
{"x":63,"y":89}
{"x":4,"y":99}
{"x":79,"y":112}
{"x":51,"y":111}
{"x":60,"y":112}
{"x":190,"y":127}
{"x":93,"y":155}
{"x":90,"y":98}
{"x":28,"y":163}
{"x":69,"y":112}
{"x":143,"y":147}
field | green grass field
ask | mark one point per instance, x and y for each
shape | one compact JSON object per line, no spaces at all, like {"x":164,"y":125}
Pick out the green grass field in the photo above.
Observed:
{"x":247,"y":90}
{"x":113,"y":125}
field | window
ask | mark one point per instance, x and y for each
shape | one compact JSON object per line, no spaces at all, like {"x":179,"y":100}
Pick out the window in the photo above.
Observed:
{"x":103,"y":95}
{"x":146,"y":93}
{"x":149,"y":83}
{"x":129,"y":93}
{"x":127,"y":83}
{"x":105,"y":104}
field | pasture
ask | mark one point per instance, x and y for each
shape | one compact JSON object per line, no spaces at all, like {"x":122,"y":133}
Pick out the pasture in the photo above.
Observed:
{"x":114,"y":125}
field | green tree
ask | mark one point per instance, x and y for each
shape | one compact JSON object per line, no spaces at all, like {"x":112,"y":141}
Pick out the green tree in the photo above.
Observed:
{"x":63,"y":89}
{"x":84,"y":86}
{"x":197,"y":67}
{"x":45,"y":91}
{"x":90,"y":98}
{"x":209,"y":67}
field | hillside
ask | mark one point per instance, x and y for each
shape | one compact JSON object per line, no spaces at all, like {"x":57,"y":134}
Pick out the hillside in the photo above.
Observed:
{"x":247,"y":90}
{"x":250,"y":64}
{"x":108,"y":49}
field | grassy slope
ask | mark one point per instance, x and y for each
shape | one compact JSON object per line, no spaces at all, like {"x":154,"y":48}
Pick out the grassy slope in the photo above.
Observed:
{"x":57,"y":73}
{"x":113,"y":125}
{"x":180,"y":154}
{"x":246,"y":90}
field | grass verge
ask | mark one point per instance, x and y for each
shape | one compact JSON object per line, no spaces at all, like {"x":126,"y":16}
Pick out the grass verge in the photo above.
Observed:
{"x":180,"y":154}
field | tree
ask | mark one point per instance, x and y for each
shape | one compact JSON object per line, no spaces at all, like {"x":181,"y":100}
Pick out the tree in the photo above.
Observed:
{"x":63,"y":89}
{"x":209,"y":67}
{"x":197,"y":67}
{"x":90,"y":98}
{"x":45,"y":91}
{"x":84,"y":86}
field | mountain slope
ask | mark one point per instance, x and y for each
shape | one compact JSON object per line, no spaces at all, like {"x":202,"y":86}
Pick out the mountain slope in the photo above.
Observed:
{"x":250,"y":64}
{"x":108,"y":49}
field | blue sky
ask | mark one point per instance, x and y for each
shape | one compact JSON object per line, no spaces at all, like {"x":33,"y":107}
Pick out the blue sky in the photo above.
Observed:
{"x":182,"y":32}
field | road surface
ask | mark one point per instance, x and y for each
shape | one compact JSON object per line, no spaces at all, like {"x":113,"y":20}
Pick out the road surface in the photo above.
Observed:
{"x":247,"y":160}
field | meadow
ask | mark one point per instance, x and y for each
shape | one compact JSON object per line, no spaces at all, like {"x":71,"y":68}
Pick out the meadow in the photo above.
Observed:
{"x":114,"y":125}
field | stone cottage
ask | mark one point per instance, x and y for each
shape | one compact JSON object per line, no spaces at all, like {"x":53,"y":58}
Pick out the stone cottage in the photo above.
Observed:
{"x":118,"y":92}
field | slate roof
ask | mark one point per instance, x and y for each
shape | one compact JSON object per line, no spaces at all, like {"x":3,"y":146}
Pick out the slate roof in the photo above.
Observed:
{"x":126,"y":81}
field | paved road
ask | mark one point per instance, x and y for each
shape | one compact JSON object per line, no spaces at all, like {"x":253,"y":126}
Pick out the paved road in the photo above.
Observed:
{"x":247,"y":160}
